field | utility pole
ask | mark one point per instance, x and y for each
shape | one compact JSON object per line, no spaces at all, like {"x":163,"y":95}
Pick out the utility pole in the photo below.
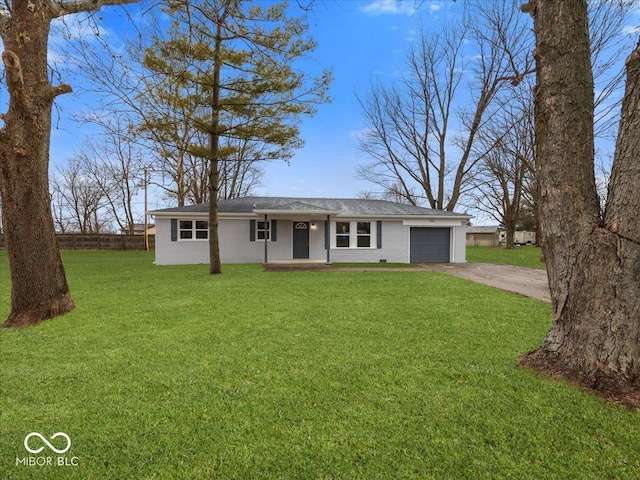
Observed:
{"x":146,"y":224}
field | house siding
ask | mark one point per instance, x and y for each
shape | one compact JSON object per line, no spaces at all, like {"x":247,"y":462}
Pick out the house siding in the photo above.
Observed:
{"x":178,"y":252}
{"x":459,"y":244}
{"x":394,"y":246}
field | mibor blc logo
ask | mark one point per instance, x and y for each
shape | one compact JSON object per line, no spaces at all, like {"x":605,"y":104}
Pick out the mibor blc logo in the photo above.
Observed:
{"x":46,"y":442}
{"x":36,"y":443}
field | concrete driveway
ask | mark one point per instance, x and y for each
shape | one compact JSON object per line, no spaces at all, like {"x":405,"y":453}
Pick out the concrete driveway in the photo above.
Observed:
{"x":530,"y":282}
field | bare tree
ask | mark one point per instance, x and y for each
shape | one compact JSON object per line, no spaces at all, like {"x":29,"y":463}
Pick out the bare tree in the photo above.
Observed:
{"x":609,"y":46}
{"x":116,"y":165}
{"x":505,"y":179}
{"x":500,"y":184}
{"x":62,"y":220}
{"x":81,"y":197}
{"x":412,"y":125}
{"x":127,"y":84}
{"x":241,"y":172}
{"x":504,"y":184}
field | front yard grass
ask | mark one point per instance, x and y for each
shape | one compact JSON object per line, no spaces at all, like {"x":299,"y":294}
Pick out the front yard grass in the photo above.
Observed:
{"x":167,"y":372}
{"x":524,"y":256}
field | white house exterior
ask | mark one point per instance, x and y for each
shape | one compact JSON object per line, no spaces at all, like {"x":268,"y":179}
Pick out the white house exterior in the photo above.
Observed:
{"x":271,"y":229}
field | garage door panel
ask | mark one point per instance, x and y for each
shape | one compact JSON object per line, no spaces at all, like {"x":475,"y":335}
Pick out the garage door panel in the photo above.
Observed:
{"x":430,"y":245}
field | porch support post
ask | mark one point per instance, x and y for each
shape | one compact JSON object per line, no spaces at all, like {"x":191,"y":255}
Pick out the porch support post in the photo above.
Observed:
{"x":327,"y":238}
{"x":267,"y":232}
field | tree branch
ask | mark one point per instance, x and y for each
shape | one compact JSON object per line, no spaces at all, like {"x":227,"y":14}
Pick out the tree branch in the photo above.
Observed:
{"x":529,"y":7}
{"x":59,"y":9}
{"x":11,"y":61}
{"x":61,"y":89}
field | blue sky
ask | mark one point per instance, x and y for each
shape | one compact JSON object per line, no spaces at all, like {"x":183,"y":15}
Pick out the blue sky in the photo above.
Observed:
{"x":359,"y":40}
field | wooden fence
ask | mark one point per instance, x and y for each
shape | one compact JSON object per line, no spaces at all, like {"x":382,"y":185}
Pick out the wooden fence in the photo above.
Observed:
{"x":101,"y":241}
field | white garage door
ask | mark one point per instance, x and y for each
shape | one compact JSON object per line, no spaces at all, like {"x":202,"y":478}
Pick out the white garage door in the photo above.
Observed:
{"x":430,"y":245}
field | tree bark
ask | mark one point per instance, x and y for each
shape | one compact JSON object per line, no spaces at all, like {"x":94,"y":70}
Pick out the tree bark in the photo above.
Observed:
{"x":215,"y":266}
{"x":510,"y":230}
{"x":39,"y":287}
{"x":593,"y":260}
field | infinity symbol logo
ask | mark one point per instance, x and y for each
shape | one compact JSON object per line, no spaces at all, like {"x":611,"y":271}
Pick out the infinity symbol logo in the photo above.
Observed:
{"x":38,"y":450}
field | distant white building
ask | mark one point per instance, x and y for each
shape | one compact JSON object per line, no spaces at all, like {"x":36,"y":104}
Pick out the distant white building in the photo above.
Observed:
{"x":520,"y":237}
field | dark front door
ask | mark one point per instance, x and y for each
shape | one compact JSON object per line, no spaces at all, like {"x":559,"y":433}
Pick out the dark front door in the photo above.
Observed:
{"x":300,"y":239}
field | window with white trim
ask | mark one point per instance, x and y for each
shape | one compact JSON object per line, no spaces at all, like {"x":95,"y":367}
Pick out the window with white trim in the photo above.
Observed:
{"x":364,"y":234}
{"x":193,"y":230}
{"x":342,"y":234}
{"x":354,"y":234}
{"x":263,"y":230}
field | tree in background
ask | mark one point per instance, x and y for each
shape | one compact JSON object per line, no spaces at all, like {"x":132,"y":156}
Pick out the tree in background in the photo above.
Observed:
{"x":233,"y":60}
{"x":159,"y":108}
{"x":241,"y":172}
{"x":165,"y":106}
{"x":96,"y":190}
{"x":505,"y":182}
{"x":78,"y":198}
{"x":592,"y":255}
{"x":413,"y":125}
{"x":117,"y":166}
{"x":39,"y":288}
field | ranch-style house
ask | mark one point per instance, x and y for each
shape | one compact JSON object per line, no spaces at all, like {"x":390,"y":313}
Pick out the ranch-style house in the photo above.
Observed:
{"x":272,"y":229}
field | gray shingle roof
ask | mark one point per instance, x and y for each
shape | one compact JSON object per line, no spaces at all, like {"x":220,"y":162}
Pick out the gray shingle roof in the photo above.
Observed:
{"x":346,"y":207}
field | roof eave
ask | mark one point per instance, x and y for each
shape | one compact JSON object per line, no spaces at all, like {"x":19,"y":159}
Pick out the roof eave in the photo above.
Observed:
{"x":259,"y":211}
{"x":334,"y":213}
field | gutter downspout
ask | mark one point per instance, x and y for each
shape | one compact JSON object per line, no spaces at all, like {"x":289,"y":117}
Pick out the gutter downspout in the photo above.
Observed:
{"x":266,"y":235}
{"x":327,"y":239}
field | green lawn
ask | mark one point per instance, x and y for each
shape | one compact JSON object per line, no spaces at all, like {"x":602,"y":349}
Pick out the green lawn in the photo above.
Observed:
{"x":167,"y":372}
{"x":520,"y":256}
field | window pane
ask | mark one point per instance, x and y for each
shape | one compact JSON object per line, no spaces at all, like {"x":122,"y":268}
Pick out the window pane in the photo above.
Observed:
{"x":342,"y":241}
{"x":202,"y":225}
{"x":342,"y":228}
{"x":364,"y":228}
{"x":260,"y":230}
{"x":186,"y":234}
{"x":364,"y":241}
{"x":202,"y":234}
{"x":186,"y":224}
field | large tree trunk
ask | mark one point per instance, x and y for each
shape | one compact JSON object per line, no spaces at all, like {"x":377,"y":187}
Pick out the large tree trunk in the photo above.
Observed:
{"x":593,"y":261}
{"x":38,"y":285}
{"x":215,"y":266}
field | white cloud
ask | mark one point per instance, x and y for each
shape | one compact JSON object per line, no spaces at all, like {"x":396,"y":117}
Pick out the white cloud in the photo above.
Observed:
{"x":76,"y":27}
{"x":630,"y":30}
{"x":359,"y":133}
{"x":389,"y":7}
